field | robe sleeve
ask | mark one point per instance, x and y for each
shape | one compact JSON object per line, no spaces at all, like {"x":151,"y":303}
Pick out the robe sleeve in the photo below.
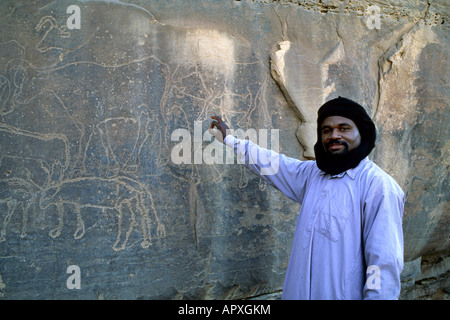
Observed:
{"x":383,"y":239}
{"x":287,"y":174}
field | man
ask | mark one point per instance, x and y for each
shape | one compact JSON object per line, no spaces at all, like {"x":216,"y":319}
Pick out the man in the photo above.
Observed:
{"x":348,"y":241}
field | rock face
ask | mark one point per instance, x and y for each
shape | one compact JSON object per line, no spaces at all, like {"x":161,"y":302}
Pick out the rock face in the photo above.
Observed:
{"x":106,"y":162}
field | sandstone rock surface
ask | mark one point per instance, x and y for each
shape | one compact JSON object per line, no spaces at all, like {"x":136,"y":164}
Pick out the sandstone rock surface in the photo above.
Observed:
{"x":90,"y":118}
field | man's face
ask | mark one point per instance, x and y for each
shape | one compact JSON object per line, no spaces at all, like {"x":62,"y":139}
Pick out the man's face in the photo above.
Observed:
{"x":339,"y":135}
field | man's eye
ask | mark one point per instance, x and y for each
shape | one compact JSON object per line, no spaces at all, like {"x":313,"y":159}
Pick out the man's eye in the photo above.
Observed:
{"x":325,"y":131}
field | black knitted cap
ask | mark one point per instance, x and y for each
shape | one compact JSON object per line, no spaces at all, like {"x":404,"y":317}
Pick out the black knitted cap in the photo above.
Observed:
{"x":349,"y":109}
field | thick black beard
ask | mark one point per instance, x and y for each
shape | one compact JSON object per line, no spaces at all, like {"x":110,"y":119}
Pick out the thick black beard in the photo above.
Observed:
{"x":336,"y":163}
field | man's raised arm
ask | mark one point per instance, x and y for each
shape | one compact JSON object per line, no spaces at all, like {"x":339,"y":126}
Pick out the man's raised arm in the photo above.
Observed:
{"x":284,"y":173}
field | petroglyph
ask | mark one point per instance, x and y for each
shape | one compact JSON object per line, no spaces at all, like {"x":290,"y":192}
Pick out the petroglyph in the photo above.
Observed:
{"x":16,"y":194}
{"x":49,"y":27}
{"x":94,"y":114}
{"x":117,"y":193}
{"x":27,"y":144}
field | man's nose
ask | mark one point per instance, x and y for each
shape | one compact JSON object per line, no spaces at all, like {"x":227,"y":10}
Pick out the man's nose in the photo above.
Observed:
{"x":335,"y":134}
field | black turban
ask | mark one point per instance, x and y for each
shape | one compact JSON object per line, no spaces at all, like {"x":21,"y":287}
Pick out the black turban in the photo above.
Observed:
{"x":335,"y":164}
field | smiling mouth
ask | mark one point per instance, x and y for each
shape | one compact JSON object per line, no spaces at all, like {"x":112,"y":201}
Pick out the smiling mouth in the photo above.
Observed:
{"x":335,"y":146}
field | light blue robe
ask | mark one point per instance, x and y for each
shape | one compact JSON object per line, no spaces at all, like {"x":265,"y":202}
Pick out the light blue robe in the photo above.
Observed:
{"x":348,"y":241}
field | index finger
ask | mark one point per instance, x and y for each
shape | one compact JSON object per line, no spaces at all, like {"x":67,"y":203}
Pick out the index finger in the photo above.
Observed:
{"x":216,"y":118}
{"x":214,"y":124}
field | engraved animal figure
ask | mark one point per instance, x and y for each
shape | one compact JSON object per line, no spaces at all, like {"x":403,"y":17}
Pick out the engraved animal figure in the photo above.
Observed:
{"x":11,"y":50}
{"x":21,"y":180}
{"x":20,"y":143}
{"x":123,"y":139}
{"x":50,"y":28}
{"x":28,"y":162}
{"x":94,"y":110}
{"x":15,"y":194}
{"x":120,"y":194}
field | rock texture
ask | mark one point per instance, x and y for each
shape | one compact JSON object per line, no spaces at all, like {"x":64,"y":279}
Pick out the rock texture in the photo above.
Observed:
{"x":87,"y":122}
